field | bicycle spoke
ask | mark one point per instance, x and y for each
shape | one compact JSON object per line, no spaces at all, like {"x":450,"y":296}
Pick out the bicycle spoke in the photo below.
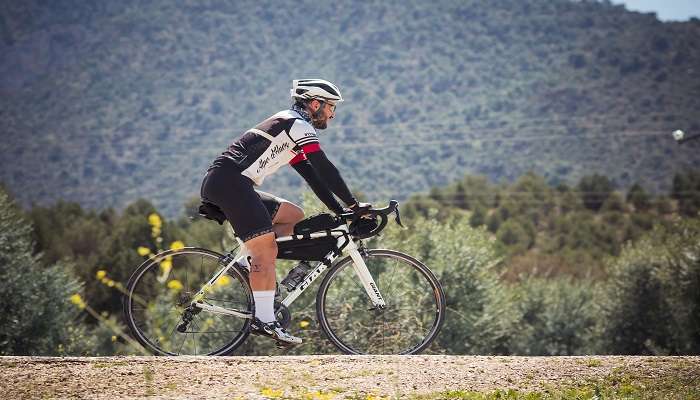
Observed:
{"x":187,"y":280}
{"x":411,"y":305}
{"x":155,"y":318}
{"x":184,"y":338}
{"x":194,"y":338}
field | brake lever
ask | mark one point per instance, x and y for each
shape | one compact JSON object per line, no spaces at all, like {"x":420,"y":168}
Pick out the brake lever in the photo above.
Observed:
{"x":398,"y":218}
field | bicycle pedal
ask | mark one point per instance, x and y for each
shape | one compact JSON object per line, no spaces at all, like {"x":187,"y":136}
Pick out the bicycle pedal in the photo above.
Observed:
{"x":284,"y":345}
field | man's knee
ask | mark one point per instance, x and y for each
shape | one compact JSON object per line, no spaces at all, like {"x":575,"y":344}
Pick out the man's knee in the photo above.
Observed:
{"x":297,"y":214}
{"x":263,"y":249}
{"x":289,"y":214}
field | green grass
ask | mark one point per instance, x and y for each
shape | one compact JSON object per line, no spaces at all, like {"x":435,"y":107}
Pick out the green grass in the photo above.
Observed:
{"x":593,"y":362}
{"x":681,"y":382}
{"x":9,"y":364}
{"x":148,"y":377}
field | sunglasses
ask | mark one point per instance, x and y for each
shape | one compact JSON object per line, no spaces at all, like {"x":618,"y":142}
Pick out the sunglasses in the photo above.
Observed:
{"x":331,"y":106}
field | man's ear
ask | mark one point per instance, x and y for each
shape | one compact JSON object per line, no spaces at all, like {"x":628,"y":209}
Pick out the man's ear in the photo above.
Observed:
{"x":314,"y":104}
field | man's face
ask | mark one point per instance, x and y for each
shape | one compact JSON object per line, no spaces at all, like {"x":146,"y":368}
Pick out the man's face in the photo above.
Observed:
{"x":323,"y":112}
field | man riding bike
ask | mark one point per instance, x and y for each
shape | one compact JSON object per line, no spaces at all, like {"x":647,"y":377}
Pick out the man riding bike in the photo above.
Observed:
{"x":288,"y":137}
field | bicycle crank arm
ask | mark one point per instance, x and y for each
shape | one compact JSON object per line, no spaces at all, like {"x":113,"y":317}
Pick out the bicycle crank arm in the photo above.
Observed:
{"x":223,"y":311}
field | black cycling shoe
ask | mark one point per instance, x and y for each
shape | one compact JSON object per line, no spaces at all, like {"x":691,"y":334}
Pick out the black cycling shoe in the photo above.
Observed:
{"x":275,"y":331}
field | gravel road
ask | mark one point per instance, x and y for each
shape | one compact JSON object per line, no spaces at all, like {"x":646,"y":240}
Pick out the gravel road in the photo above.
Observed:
{"x":319,"y":377}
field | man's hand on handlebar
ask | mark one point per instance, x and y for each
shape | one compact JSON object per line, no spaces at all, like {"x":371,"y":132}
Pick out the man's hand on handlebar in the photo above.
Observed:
{"x":361,"y":209}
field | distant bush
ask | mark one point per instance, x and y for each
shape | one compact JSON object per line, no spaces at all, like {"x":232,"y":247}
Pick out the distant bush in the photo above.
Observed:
{"x":558,"y":317}
{"x":36,"y":316}
{"x":479,"y":313}
{"x":651,"y":302}
{"x":595,"y":190}
{"x":638,"y":197}
{"x":686,"y":190}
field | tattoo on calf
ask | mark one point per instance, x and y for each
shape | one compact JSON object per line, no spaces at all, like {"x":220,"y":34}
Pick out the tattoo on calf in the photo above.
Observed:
{"x":255,"y":268}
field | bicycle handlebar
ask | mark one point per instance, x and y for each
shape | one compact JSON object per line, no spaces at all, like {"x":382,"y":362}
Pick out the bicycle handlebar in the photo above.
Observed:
{"x":373,"y":213}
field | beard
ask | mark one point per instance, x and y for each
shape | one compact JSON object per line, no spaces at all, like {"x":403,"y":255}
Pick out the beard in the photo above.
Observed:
{"x":317,"y":120}
{"x":319,"y":123}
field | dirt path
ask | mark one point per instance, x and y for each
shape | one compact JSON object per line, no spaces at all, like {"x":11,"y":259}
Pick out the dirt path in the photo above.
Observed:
{"x":326,"y":377}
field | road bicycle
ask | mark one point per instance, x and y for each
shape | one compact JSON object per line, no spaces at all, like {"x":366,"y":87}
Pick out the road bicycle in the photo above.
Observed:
{"x":194,"y":301}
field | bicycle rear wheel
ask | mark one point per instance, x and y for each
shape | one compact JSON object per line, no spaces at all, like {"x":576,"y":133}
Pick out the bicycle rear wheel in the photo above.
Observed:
{"x":414,"y":312}
{"x":161,"y":289}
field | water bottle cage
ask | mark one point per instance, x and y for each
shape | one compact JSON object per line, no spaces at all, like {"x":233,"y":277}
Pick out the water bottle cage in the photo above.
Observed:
{"x":296,"y":276}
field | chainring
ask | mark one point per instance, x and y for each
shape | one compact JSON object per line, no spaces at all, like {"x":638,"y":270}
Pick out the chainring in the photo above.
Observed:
{"x":284,"y":317}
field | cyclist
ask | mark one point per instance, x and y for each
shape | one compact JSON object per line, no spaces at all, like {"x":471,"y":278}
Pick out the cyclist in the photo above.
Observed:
{"x":288,"y":137}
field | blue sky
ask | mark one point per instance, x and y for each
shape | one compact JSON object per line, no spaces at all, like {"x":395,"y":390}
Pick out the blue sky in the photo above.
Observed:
{"x":666,"y":10}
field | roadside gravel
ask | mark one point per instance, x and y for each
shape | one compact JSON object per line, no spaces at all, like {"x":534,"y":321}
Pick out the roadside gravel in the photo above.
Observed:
{"x":321,"y":377}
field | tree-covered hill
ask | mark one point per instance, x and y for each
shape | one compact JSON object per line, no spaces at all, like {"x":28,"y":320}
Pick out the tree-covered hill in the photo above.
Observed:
{"x":559,"y":230}
{"x":103,"y":103}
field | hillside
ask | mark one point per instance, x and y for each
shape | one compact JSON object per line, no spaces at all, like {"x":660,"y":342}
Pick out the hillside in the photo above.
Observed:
{"x":557,"y":229}
{"x":106,"y":103}
{"x":353,"y":377}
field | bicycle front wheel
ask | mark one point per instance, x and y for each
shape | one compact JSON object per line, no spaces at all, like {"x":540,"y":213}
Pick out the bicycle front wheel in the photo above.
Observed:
{"x":160,"y":292}
{"x":414,"y":312}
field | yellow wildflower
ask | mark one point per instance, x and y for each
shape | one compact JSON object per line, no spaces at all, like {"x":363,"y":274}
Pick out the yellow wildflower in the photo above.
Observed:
{"x":175,"y":285}
{"x":110,"y":283}
{"x":166,"y":265}
{"x":304,"y":324}
{"x":223,"y":280}
{"x":114,"y":338}
{"x":208,"y":323}
{"x":155,"y":221}
{"x":272,"y":393}
{"x":78,"y":301}
{"x":143,"y":251}
{"x":101,"y":274}
{"x":318,"y":395}
{"x":177,"y":245}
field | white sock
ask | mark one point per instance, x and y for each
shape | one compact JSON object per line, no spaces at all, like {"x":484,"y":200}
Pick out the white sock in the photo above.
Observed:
{"x":264,"y":305}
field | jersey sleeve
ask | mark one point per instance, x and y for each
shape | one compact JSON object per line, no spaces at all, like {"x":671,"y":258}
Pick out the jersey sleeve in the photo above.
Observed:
{"x":302,"y":133}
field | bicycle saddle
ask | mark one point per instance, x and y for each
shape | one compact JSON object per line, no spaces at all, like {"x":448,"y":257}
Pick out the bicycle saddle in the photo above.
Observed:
{"x":212,"y":211}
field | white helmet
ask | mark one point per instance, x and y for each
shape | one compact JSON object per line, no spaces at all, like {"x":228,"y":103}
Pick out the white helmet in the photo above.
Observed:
{"x":307,"y":89}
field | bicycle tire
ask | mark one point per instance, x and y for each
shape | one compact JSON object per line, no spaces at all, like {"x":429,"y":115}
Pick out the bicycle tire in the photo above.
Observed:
{"x":354,"y":329}
{"x":151,"y":305}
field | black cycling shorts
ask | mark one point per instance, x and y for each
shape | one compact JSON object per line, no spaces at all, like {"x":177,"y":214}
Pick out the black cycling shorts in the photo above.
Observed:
{"x":250,"y":212}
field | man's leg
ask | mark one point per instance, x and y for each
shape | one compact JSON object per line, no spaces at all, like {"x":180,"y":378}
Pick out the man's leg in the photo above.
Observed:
{"x":250,"y":218}
{"x":263,"y":252}
{"x":286,"y":217}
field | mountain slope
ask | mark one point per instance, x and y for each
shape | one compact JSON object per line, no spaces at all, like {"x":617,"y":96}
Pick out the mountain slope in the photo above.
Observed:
{"x":106,"y":103}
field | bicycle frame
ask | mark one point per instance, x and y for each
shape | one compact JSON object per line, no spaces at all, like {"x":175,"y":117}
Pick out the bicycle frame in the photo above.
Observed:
{"x":344,"y":242}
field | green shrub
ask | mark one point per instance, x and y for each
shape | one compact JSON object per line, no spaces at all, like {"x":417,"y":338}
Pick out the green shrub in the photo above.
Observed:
{"x":595,"y":190}
{"x":480,"y":315}
{"x":558,"y":316}
{"x":652,"y":298}
{"x":36,"y":314}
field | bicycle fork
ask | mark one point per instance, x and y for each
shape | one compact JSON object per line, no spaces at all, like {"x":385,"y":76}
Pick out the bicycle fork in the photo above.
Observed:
{"x":358,"y":264}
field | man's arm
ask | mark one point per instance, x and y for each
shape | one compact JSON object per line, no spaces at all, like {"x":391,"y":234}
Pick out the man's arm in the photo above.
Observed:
{"x":304,"y":168}
{"x":328,"y":173}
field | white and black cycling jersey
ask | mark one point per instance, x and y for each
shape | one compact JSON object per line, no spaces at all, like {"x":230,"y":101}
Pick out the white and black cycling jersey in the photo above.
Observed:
{"x":286,"y":138}
{"x":276,"y":141}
